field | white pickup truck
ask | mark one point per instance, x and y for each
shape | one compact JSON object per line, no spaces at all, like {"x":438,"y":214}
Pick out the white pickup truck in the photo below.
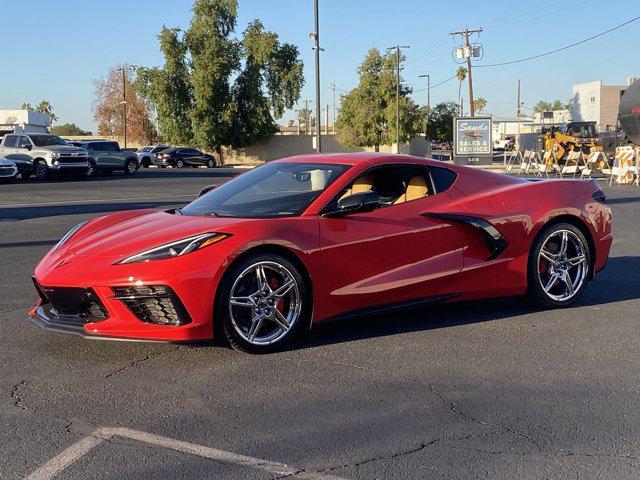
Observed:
{"x":40,"y":154}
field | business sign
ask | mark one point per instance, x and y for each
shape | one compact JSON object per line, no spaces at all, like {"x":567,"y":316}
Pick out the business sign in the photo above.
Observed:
{"x":472,"y":140}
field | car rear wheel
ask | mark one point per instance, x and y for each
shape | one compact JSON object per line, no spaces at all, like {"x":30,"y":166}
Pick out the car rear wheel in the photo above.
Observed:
{"x":91,"y":171}
{"x":559,"y":266}
{"x":263,"y":304}
{"x":41,"y":170}
{"x":131,"y":167}
{"x":211,"y":163}
{"x":179,"y":164}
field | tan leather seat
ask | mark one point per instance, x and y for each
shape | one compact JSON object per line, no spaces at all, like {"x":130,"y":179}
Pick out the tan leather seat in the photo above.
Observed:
{"x":361,"y":185}
{"x":416,"y":189}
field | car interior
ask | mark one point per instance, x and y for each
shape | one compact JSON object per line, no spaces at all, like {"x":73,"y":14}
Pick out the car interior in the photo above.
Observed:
{"x":395,"y":184}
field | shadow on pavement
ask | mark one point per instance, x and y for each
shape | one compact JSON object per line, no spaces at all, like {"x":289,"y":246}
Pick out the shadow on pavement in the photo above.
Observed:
{"x":155,"y":173}
{"x":600,"y":292}
{"x":25,"y":213}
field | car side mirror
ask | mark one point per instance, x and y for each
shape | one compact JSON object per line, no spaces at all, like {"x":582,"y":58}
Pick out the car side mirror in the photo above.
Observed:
{"x":206,"y":189}
{"x":356,"y":203}
{"x":28,"y":147}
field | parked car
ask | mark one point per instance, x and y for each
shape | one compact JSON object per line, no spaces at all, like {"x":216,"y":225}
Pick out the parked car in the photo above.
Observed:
{"x":145,"y":154}
{"x":40,"y":154}
{"x":180,"y":157}
{"x":441,"y":146}
{"x":297,"y":241}
{"x":8,"y":171}
{"x":107,"y":157}
{"x":506,"y":143}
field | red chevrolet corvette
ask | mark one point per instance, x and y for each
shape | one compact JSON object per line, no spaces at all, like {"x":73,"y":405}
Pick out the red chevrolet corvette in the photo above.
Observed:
{"x":301,"y":240}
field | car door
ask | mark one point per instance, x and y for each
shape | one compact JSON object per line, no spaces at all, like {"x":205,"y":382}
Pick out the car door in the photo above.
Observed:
{"x":19,"y":155}
{"x":393,"y":254}
{"x":192,"y":157}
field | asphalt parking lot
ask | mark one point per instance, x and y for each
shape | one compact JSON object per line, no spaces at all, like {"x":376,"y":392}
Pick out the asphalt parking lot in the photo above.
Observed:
{"x":489,"y":389}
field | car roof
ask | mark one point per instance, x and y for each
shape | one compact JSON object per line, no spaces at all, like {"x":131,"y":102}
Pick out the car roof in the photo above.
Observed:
{"x":356,"y":158}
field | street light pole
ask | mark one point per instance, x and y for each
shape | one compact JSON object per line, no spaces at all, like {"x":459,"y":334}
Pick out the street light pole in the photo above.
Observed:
{"x":316,"y":37}
{"x":124,"y":104}
{"x":398,"y":49}
{"x":428,"y":77}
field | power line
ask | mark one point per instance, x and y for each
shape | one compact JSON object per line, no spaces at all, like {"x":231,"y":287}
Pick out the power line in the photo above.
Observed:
{"x":437,"y":84}
{"x":562,"y":48}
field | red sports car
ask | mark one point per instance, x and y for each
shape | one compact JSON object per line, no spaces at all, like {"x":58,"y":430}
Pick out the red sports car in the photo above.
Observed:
{"x":301,"y":240}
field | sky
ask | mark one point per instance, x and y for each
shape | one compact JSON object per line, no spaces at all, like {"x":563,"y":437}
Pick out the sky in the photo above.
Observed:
{"x":55,"y":49}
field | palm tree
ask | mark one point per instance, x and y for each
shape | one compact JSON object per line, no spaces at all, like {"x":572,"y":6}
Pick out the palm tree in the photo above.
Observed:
{"x":479,"y":104}
{"x":45,"y":107}
{"x":461,"y":74}
{"x":26,"y":106}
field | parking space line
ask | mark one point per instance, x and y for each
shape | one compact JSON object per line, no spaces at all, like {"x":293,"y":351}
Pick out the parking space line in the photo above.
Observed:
{"x":73,"y":453}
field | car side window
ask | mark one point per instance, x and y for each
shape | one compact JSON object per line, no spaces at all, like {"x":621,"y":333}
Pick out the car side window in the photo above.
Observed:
{"x":442,"y":178}
{"x":11,"y":141}
{"x":24,"y":142}
{"x":395,"y":184}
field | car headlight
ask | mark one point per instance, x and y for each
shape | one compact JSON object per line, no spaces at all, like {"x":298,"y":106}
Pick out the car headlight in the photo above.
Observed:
{"x":69,"y":234}
{"x":177,"y":248}
{"x":55,"y":155}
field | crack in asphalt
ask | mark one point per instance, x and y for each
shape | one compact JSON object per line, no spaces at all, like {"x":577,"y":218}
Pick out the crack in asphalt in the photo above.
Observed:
{"x":562,"y":453}
{"x":454,"y":408}
{"x":141,"y":360}
{"x":16,"y":397}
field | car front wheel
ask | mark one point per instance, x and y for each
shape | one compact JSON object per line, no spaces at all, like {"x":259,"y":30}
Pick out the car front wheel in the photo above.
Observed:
{"x":91,"y":171}
{"x":179,"y":164}
{"x":131,"y":167}
{"x":559,"y":266}
{"x":263,"y":304}
{"x":41,"y":170}
{"x":211,"y":163}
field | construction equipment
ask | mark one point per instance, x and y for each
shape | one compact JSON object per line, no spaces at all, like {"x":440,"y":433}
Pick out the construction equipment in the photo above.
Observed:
{"x":574,"y":136}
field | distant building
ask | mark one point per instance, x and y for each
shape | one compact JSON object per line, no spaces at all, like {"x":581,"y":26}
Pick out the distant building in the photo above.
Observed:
{"x":23,"y":121}
{"x":555,"y":116}
{"x":508,"y":126}
{"x":595,"y":102}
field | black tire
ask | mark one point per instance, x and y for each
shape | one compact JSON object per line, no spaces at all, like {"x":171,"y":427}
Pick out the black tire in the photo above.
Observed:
{"x":536,"y":292}
{"x":40,"y":170}
{"x":179,"y":163}
{"x":106,"y":172}
{"x":211,"y":163}
{"x":162,"y":166}
{"x":146,"y":162}
{"x":25,"y":175}
{"x":131,"y":167}
{"x":224,"y":308}
{"x":93,"y":168}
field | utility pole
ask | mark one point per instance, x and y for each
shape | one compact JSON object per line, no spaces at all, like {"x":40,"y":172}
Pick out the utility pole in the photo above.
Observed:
{"x":316,"y":36}
{"x":307,"y":117}
{"x":468,"y":54}
{"x":518,"y":113}
{"x":398,"y":49}
{"x":426,"y":122}
{"x":334,"y":88}
{"x":124,"y":104}
{"x":326,"y":121}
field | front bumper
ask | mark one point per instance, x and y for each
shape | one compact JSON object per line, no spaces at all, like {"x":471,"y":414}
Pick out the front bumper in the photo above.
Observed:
{"x":69,"y":167}
{"x":191,"y":280}
{"x":8,"y":172}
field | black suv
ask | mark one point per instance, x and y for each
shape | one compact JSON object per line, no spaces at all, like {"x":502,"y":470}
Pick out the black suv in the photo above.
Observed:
{"x":179,"y":157}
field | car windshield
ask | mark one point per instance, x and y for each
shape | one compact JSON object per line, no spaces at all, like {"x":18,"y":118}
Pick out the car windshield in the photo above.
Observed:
{"x":145,"y":149}
{"x":47,"y":140}
{"x":278,"y":189}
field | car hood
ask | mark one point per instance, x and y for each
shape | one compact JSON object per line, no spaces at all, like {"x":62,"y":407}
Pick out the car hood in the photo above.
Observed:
{"x":62,"y":149}
{"x":127,"y":233}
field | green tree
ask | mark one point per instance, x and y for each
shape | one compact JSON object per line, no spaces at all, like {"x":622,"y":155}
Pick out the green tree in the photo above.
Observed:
{"x":367,"y":115}
{"x":215,"y":90}
{"x":69,"y":129}
{"x":544,"y":106}
{"x":26,"y":106}
{"x":168,"y":89}
{"x":440,"y":127}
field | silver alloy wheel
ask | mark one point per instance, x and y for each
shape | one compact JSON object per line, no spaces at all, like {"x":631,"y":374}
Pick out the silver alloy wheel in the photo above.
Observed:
{"x":562,"y":265}
{"x":91,"y":170}
{"x":132,"y":167}
{"x":265,"y":303}
{"x":179,"y":164}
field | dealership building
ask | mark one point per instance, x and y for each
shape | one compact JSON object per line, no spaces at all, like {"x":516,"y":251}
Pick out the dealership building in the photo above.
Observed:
{"x":596,"y":102}
{"x":23,"y":121}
